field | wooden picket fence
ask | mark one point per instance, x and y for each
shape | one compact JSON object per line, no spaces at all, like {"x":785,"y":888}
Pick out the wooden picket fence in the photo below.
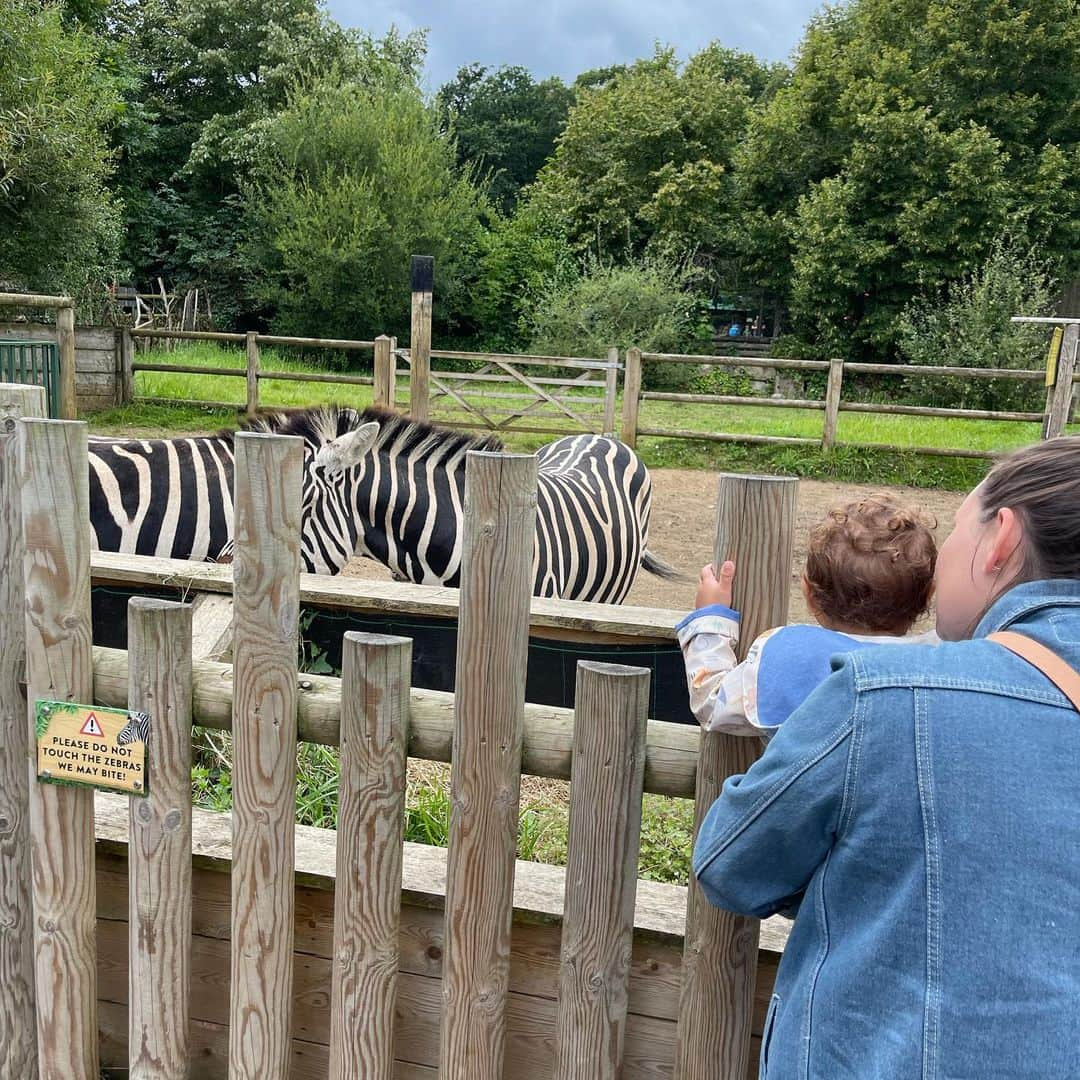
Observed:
{"x":49,"y":962}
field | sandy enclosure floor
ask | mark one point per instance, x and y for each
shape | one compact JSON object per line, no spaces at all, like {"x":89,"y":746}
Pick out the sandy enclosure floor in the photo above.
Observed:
{"x":684,"y":523}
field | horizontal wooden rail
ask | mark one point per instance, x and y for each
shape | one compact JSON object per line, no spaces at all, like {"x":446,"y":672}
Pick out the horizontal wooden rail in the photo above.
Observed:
{"x":493,"y":377}
{"x":262,"y":339}
{"x":314,"y":343}
{"x":35,"y":300}
{"x":188,"y":335}
{"x":569,"y":619}
{"x":733,"y":399}
{"x":737,"y":361}
{"x":928,"y":451}
{"x":190,"y":369}
{"x":916,"y":371}
{"x":1057,"y":320}
{"x":670,"y":755}
{"x":524,"y":429}
{"x":511,"y":358}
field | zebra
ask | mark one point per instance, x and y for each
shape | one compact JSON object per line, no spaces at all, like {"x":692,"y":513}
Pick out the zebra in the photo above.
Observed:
{"x":137,"y":729}
{"x":173,"y":498}
{"x":382,"y":486}
{"x":592,"y":514}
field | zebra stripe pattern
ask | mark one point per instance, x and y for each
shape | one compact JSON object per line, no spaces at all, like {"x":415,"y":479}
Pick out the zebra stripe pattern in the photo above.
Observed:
{"x":137,"y":729}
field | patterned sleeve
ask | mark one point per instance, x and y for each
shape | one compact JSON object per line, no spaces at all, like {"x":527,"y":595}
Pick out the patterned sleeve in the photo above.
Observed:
{"x":723,"y":692}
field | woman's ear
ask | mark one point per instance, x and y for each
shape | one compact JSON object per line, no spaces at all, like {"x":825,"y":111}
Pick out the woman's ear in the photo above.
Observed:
{"x":808,"y":596}
{"x":1005,"y":542}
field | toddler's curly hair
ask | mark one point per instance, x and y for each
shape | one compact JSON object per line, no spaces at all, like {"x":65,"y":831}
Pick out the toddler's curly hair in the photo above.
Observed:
{"x":870,"y":564}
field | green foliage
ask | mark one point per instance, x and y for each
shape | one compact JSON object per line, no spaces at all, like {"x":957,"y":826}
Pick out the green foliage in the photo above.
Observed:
{"x":59,"y":226}
{"x":649,"y":305}
{"x":207,"y":74}
{"x":504,"y":124}
{"x":351,"y":180}
{"x":909,"y":134}
{"x":968,"y":326}
{"x":718,"y":380}
{"x":645,"y":160}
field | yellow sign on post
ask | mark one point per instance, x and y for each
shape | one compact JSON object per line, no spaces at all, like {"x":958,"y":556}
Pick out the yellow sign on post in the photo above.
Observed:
{"x":1052,"y":356}
{"x":91,"y":746}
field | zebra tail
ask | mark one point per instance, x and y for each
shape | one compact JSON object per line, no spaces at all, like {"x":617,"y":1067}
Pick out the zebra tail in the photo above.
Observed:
{"x":653,"y":565}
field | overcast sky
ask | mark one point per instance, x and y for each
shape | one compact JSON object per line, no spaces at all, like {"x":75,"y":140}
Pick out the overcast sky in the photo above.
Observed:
{"x":565,"y":37}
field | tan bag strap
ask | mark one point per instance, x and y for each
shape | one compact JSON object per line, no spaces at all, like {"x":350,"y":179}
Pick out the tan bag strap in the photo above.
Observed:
{"x":1064,"y":677}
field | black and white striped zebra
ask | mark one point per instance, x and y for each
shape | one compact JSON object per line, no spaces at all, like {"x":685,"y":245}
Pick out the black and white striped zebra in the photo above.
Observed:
{"x":137,"y":729}
{"x":174,"y":497}
{"x":382,"y":486}
{"x":593,"y":504}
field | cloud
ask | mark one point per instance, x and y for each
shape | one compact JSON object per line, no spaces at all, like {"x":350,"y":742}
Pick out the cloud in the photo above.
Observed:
{"x":564,"y":37}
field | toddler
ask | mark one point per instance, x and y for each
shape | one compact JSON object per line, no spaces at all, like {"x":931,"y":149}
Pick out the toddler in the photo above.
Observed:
{"x":869,"y":576}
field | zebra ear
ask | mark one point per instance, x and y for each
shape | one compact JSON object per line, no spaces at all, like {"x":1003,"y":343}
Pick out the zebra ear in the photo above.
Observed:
{"x":346,"y":450}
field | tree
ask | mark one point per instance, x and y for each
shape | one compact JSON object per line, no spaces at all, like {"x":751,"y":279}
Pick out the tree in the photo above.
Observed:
{"x":505,"y":124}
{"x":910,"y":131}
{"x":211,"y":74}
{"x":59,"y":227}
{"x":645,"y":160}
{"x":351,"y":178}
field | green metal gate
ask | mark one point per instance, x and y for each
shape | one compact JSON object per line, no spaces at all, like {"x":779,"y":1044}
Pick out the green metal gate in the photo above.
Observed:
{"x":34,"y":362}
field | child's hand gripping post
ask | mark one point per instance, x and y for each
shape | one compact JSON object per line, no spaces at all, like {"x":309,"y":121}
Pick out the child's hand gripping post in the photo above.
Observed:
{"x":713,"y":588}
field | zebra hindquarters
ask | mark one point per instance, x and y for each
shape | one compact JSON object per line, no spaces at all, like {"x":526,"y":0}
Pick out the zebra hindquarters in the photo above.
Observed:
{"x":592,"y":519}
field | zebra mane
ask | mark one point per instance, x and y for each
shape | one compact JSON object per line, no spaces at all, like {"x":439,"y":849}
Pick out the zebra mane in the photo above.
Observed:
{"x":320,"y":425}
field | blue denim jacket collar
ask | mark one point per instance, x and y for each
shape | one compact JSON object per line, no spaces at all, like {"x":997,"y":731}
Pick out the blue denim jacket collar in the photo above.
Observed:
{"x":1024,"y":599}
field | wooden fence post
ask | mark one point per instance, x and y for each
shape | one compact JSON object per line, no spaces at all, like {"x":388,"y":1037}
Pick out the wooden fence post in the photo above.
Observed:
{"x":266,"y":602}
{"x":18,"y":1039}
{"x":631,"y":396}
{"x":611,"y":706}
{"x":611,"y":391}
{"x":65,"y":340}
{"x":126,"y":391}
{"x":56,"y":563}
{"x":159,"y":853}
{"x":383,"y":394}
{"x":376,"y":672}
{"x":832,"y":403}
{"x":423,"y":276}
{"x":252,"y":346}
{"x":755,"y":527}
{"x":489,"y":706}
{"x":1059,"y":396}
{"x":393,"y":372}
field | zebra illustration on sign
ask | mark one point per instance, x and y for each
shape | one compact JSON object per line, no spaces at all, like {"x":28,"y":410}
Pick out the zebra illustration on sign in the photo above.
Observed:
{"x":137,"y":729}
{"x":382,"y":486}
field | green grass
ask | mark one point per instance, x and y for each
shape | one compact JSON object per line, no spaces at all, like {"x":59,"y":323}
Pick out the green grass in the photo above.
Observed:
{"x":845,"y":463}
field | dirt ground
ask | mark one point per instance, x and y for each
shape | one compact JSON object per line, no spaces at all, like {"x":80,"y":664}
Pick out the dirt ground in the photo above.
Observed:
{"x":684,"y":521}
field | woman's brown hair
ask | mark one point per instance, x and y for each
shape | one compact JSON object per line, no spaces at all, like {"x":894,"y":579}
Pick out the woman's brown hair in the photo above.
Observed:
{"x":870,"y":564}
{"x":1041,"y":485}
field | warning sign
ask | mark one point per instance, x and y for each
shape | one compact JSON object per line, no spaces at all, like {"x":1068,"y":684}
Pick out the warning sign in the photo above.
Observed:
{"x":101,"y":748}
{"x":92,"y":727}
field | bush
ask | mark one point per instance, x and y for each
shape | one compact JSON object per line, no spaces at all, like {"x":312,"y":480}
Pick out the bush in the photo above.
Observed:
{"x":969,"y":327}
{"x":650,"y":305}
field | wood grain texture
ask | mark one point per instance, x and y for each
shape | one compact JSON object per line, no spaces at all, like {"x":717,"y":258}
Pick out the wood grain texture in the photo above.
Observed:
{"x":18,"y":1038}
{"x":159,"y":944}
{"x":670,"y":755}
{"x":376,"y":670}
{"x":211,"y":627}
{"x":832,"y":403}
{"x":489,"y":702}
{"x":755,"y":527}
{"x":611,"y":707}
{"x":125,"y":359}
{"x":605,"y":621}
{"x":56,"y":566}
{"x":1059,"y":397}
{"x":631,"y":401}
{"x":65,"y":343}
{"x":611,"y":391}
{"x":420,"y":356}
{"x":266,"y":599}
{"x":251,"y":349}
{"x":385,"y":373}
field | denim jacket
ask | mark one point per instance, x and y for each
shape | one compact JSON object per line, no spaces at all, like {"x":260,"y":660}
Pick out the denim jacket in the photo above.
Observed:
{"x":920,"y":814}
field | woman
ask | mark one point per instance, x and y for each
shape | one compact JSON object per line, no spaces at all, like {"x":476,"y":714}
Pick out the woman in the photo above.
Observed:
{"x":920,"y":816}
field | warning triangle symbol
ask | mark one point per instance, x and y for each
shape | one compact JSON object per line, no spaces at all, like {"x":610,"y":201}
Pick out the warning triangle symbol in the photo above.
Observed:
{"x":91,"y":726}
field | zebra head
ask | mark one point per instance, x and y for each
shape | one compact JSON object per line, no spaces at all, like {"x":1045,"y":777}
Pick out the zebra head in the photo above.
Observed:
{"x":137,"y":729}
